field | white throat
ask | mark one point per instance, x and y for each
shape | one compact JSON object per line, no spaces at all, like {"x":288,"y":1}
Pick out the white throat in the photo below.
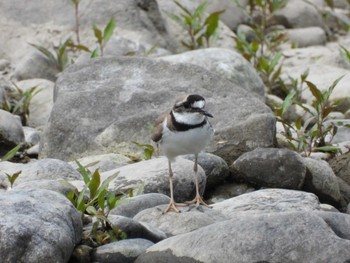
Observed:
{"x":190,"y":118}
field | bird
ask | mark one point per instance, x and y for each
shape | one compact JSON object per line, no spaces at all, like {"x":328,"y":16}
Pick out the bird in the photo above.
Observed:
{"x":185,"y":129}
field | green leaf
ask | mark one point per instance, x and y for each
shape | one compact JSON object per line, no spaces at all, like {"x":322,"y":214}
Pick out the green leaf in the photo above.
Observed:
{"x":108,"y":31}
{"x":106,"y":182}
{"x":212,"y":23}
{"x":346,"y":52}
{"x":288,"y":101}
{"x":46,"y":52}
{"x":81,"y":206}
{"x":315,"y":91}
{"x":274,"y":61}
{"x":9,"y":155}
{"x":91,"y":210}
{"x":71,"y":197}
{"x":330,"y":89}
{"x":84,"y":172}
{"x":94,"y":53}
{"x":200,"y":10}
{"x":332,"y":149}
{"x":94,"y":183}
{"x":98,"y":34}
{"x":101,"y":199}
{"x":183,"y":8}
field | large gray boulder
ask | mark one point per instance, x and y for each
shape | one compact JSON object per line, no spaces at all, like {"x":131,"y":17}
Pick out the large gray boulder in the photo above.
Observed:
{"x":271,"y":237}
{"x":298,"y":13}
{"x":172,"y":223}
{"x":136,"y":204}
{"x":37,"y":170}
{"x":268,"y":201}
{"x":227,"y":63}
{"x":104,"y":104}
{"x":153,"y":175}
{"x":321,"y":180}
{"x":271,"y":167}
{"x":37,"y":226}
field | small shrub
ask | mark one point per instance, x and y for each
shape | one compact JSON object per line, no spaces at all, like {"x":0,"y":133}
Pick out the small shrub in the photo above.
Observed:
{"x":103,"y":38}
{"x":20,"y":103}
{"x":199,"y":30}
{"x":310,"y":135}
{"x":96,"y":201}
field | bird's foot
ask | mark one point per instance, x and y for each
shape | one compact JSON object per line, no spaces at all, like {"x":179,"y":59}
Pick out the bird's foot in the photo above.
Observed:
{"x":198,"y":201}
{"x":173,"y":206}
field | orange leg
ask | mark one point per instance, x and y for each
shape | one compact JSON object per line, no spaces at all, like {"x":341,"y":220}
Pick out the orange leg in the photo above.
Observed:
{"x":198,"y":200}
{"x":172,"y":205}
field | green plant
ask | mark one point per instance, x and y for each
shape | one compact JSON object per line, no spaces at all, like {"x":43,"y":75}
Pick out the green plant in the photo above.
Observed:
{"x":199,"y":30}
{"x":12,"y":178}
{"x":9,"y":155}
{"x":261,"y":51}
{"x":148,"y":150}
{"x":103,"y":38}
{"x":310,"y":135}
{"x":59,"y":58}
{"x":21,"y":102}
{"x":96,"y":201}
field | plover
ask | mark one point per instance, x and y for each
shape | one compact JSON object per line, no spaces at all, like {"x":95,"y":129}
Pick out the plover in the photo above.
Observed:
{"x":184,"y":130}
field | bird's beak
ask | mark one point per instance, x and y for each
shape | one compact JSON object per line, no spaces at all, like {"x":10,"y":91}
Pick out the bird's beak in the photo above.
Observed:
{"x":204,"y":112}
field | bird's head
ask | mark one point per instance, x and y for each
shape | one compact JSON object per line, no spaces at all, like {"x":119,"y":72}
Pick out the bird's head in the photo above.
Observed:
{"x":190,"y":109}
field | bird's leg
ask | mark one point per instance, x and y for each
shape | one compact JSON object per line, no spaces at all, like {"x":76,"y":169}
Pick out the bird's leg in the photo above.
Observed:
{"x":198,"y":199}
{"x":172,"y":204}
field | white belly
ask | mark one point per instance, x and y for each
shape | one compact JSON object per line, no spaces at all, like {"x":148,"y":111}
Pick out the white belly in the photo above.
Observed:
{"x":185,"y":142}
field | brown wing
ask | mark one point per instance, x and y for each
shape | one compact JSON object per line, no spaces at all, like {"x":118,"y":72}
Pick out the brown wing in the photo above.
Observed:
{"x":158,"y":129}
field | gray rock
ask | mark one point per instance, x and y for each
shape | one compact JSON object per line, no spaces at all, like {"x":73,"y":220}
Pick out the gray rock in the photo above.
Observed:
{"x":11,"y":131}
{"x":4,"y":63}
{"x":136,"y":204}
{"x":35,"y":66}
{"x":41,"y":104}
{"x":226,"y":63}
{"x":135,"y":229}
{"x":31,"y":136}
{"x":309,"y":36}
{"x":233,"y":15}
{"x":227,"y":191}
{"x":344,"y":190}
{"x":252,"y":238}
{"x":172,"y":223}
{"x":215,"y":168}
{"x":341,"y":166}
{"x":41,"y":169}
{"x":60,"y":186}
{"x":33,"y":151}
{"x":128,"y":84}
{"x":298,"y":13}
{"x":153,"y":175}
{"x":321,"y":181}
{"x":267,"y":201}
{"x":122,"y":251}
{"x":271,"y":167}
{"x":37,"y":226}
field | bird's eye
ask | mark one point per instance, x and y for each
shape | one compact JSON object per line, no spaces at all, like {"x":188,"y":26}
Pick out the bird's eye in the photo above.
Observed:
{"x":186,"y":105}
